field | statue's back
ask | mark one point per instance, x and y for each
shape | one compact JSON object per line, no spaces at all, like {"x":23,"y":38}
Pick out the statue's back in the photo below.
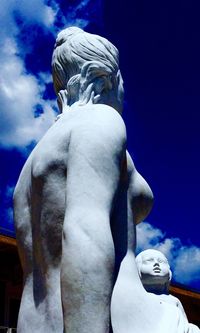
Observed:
{"x":67,"y":188}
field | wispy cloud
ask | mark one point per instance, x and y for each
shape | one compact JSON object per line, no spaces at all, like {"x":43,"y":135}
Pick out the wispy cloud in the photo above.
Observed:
{"x":184,"y":260}
{"x":75,"y":15}
{"x":22,"y":91}
{"x":80,"y":13}
{"x":148,"y":236}
{"x":187,"y":265}
{"x":35,"y":11}
{"x":6,"y":211}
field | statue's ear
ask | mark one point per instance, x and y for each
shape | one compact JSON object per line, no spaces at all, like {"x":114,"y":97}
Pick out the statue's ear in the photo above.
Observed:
{"x":73,"y":87}
{"x":97,"y":74}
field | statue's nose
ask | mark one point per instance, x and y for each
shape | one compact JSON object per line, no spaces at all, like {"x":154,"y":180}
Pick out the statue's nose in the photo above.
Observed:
{"x":156,"y":264}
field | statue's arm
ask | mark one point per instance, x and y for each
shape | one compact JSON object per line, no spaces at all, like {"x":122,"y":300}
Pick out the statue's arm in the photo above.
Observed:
{"x":22,"y":218}
{"x":93,"y":172}
{"x":140,"y":194}
{"x":96,"y":149}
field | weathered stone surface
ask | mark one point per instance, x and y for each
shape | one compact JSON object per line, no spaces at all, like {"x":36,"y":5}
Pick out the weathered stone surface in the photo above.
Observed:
{"x":77,"y":201}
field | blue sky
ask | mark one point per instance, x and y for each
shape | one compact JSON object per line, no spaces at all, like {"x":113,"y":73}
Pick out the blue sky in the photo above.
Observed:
{"x":159,"y":56}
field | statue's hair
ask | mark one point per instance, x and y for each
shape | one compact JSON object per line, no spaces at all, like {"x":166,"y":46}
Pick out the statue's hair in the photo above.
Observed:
{"x":139,"y":257}
{"x":73,"y":49}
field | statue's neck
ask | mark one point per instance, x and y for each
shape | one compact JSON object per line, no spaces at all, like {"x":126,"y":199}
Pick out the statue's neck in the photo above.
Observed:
{"x":156,"y":289}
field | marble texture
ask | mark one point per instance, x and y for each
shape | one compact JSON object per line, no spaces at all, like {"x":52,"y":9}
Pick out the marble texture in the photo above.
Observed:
{"x":77,"y":202}
{"x":155,"y":274}
{"x":76,"y":195}
{"x":133,"y":309}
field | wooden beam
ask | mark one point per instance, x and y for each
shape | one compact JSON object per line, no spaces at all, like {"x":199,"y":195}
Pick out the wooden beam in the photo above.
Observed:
{"x":184,"y":292}
{"x":5,"y":240}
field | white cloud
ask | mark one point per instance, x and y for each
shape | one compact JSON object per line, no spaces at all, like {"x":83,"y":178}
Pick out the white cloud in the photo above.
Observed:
{"x":72,"y":16}
{"x":30,"y":11}
{"x":147,"y":236}
{"x":37,"y":11}
{"x":20,"y":91}
{"x":187,"y":265}
{"x":184,"y":260}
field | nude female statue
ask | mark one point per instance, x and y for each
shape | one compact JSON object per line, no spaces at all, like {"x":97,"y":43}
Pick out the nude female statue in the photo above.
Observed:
{"x":77,"y":194}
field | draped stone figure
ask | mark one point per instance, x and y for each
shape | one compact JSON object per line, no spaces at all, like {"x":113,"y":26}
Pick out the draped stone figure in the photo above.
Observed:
{"x":155,"y":274}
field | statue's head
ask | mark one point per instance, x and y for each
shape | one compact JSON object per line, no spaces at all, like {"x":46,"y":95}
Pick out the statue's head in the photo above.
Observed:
{"x":154,"y":269}
{"x":81,"y":59}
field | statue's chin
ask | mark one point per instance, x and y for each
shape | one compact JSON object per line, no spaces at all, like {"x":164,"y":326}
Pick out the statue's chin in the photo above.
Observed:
{"x":154,"y":278}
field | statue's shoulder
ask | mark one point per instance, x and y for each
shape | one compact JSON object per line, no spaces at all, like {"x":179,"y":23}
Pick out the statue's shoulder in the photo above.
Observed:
{"x":98,"y":120}
{"x":24,"y":179}
{"x":95,"y":130}
{"x":102,"y":114}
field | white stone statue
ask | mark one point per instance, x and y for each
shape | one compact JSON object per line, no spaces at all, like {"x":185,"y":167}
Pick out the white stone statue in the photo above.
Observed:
{"x":155,"y":274}
{"x":135,"y":310}
{"x":78,"y":199}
